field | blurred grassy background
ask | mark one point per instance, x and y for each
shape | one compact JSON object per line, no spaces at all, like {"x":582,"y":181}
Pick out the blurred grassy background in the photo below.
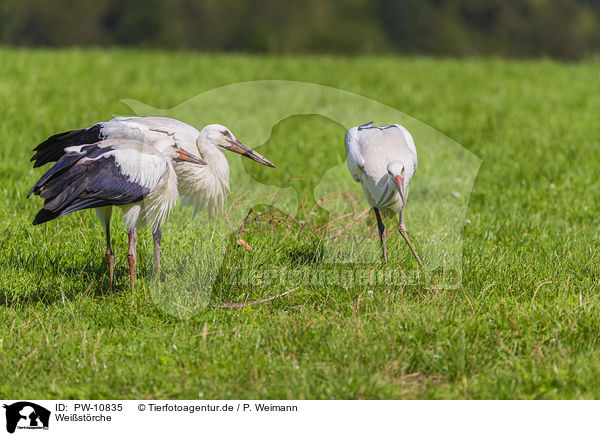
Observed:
{"x":566,"y":29}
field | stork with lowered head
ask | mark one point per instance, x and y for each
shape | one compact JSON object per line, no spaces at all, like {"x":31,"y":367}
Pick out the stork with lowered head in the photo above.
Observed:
{"x":383,"y":160}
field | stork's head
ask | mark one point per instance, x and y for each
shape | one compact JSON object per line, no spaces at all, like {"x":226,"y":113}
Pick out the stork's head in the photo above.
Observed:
{"x":396,"y":170}
{"x":221,"y":137}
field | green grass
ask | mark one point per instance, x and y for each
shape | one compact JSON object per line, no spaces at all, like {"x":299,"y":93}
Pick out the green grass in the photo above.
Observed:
{"x":523,"y":323}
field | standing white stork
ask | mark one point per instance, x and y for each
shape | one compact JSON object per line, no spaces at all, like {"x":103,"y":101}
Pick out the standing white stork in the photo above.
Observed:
{"x":383,"y":160}
{"x":138,"y":177}
{"x":202,"y":186}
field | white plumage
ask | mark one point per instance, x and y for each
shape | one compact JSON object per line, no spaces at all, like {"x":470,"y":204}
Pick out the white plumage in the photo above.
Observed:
{"x":383,"y":160}
{"x":149,"y":167}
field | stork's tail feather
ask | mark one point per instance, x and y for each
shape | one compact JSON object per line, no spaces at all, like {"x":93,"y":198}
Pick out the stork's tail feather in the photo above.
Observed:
{"x":45,"y":215}
{"x":53,"y":148}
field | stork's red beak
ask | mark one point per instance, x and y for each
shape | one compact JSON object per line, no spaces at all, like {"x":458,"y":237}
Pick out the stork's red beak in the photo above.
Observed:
{"x":238,"y":147}
{"x":400,"y":187}
{"x":184,"y":156}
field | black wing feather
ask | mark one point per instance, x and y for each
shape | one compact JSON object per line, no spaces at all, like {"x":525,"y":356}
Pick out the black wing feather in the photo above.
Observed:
{"x":74,"y":183}
{"x":65,"y":163}
{"x":53,"y":148}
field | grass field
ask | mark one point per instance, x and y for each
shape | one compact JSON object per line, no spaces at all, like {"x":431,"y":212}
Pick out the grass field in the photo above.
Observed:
{"x":523,"y":324}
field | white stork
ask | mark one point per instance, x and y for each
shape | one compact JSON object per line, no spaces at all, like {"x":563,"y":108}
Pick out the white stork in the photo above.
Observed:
{"x":383,"y":160}
{"x":138,"y":177}
{"x":202,"y":186}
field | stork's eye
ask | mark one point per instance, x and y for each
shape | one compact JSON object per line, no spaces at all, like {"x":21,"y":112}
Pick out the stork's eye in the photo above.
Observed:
{"x":226,"y":133}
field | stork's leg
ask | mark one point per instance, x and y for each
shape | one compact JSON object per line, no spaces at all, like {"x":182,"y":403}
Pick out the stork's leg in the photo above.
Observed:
{"x":157,"y":234}
{"x":110,"y":258}
{"x":381,"y":228}
{"x":402,"y":230}
{"x":104,"y":214}
{"x":132,"y":256}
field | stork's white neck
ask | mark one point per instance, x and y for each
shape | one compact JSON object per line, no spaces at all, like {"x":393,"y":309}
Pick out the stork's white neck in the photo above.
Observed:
{"x":205,"y":145}
{"x":213,"y":156}
{"x":205,"y":186}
